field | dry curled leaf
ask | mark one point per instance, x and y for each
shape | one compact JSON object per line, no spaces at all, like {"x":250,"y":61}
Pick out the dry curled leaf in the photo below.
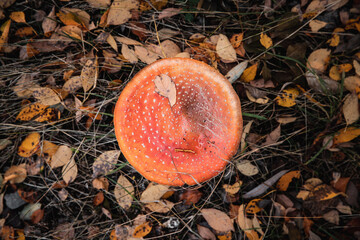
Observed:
{"x":165,"y":87}
{"x":123,"y":192}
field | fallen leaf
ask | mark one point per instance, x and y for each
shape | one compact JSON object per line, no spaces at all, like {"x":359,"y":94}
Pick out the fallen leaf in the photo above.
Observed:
{"x":99,"y":3}
{"x":100,"y":183}
{"x":3,"y":144}
{"x":356,"y":67}
{"x":252,"y":207}
{"x":236,"y":72}
{"x":89,"y":74}
{"x":124,"y":192}
{"x":225,"y":50}
{"x":165,"y":87}
{"x":286,"y":179}
{"x":25,"y":32}
{"x":18,"y":17}
{"x":46,"y":96}
{"x":247,"y":168}
{"x":150,"y":4}
{"x":74,"y":16}
{"x":246,"y":224}
{"x":162,"y":206}
{"x":129,"y":54}
{"x":127,"y":41}
{"x":63,"y":194}
{"x":30,"y":112}
{"x":232,"y":189}
{"x":119,"y":12}
{"x":346,"y":135}
{"x":265,"y":40}
{"x":69,"y":171}
{"x":217,"y":219}
{"x":64,"y":231}
{"x":47,"y":150}
{"x":205,"y":233}
{"x":236,"y":40}
{"x":343,"y":209}
{"x":316,"y":25}
{"x":153,"y":192}
{"x":249,"y":73}
{"x":98,"y":199}
{"x":5,"y":33}
{"x":313,"y":8}
{"x":106,"y":213}
{"x":352,"y":84}
{"x":167,"y":33}
{"x":169,"y":12}
{"x":105,"y":163}
{"x":111,"y":41}
{"x":72,"y":85}
{"x":319,"y":59}
{"x":145,"y":55}
{"x":49,"y":23}
{"x":29,"y":145}
{"x":322,"y":84}
{"x":332,"y":217}
{"x":29,"y":210}
{"x":262,"y":188}
{"x":15,"y":174}
{"x":273,"y":137}
{"x":341,"y":184}
{"x":351,"y":108}
{"x":190,"y":196}
{"x":61,"y":157}
{"x":323,"y":192}
{"x":169,"y":49}
{"x":287,"y":97}
{"x":142,"y":230}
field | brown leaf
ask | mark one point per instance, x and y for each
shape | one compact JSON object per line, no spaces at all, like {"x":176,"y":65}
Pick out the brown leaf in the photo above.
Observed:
{"x":165,"y":87}
{"x":49,"y":23}
{"x":101,"y":183}
{"x":98,"y":199}
{"x":341,"y":184}
{"x":46,"y":96}
{"x":99,"y":3}
{"x":61,"y":157}
{"x":74,"y":16}
{"x":169,"y":12}
{"x":15,"y":174}
{"x":123,"y":192}
{"x":265,"y":40}
{"x":72,"y":85}
{"x":206,"y":233}
{"x":145,"y":55}
{"x":69,"y":171}
{"x":25,"y":32}
{"x":232,"y":189}
{"x":153,"y":192}
{"x":89,"y":74}
{"x":316,"y":25}
{"x":218,"y":220}
{"x":319,"y":59}
{"x":18,"y":17}
{"x":252,"y":207}
{"x":119,"y":12}
{"x":247,"y":168}
{"x":190,"y":196}
{"x":273,"y":137}
{"x":105,"y":163}
{"x":129,"y":54}
{"x":225,"y":50}
{"x":162,"y":206}
{"x":351,"y":108}
{"x":332,"y":217}
{"x":352,"y":84}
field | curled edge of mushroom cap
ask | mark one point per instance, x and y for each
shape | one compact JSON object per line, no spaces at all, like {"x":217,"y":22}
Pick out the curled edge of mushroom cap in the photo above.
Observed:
{"x":188,"y":143}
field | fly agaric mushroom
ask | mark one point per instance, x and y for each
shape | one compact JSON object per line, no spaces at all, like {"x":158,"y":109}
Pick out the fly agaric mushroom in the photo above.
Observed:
{"x":178,"y":121}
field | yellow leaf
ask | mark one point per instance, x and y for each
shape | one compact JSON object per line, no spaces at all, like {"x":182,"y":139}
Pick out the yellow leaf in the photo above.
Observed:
{"x":346,"y":135}
{"x":252,"y":206}
{"x":249,"y":73}
{"x":142,"y":230}
{"x":30,"y":145}
{"x":5,"y":33}
{"x":18,"y":17}
{"x":334,"y":40}
{"x":265,"y":40}
{"x":324,"y":192}
{"x":31,"y":111}
{"x":287,"y":98}
{"x":286,"y":179}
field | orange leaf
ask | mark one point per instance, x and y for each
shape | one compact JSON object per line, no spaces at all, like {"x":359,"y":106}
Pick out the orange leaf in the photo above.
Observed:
{"x":341,"y":184}
{"x":252,"y":206}
{"x":236,"y":40}
{"x":98,"y":199}
{"x":346,"y":135}
{"x":5,"y":33}
{"x":265,"y":40}
{"x":249,"y":73}
{"x":142,"y":230}
{"x":334,"y":40}
{"x":30,"y":145}
{"x":18,"y":17}
{"x":25,"y":31}
{"x":286,"y":179}
{"x":226,"y":236}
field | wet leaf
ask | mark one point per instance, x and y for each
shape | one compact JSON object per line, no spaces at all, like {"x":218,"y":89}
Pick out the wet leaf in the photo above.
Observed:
{"x":18,"y":17}
{"x":61,"y":157}
{"x":249,"y":73}
{"x":225,"y":50}
{"x":286,"y":179}
{"x":287,"y":97}
{"x":30,"y":145}
{"x":69,"y":171}
{"x":142,"y":230}
{"x":89,"y":74}
{"x":105,"y":163}
{"x":265,"y":40}
{"x":15,"y":174}
{"x":119,"y":12}
{"x":218,"y":220}
{"x":165,"y":87}
{"x":319,"y":59}
{"x":123,"y":192}
{"x":351,"y":108}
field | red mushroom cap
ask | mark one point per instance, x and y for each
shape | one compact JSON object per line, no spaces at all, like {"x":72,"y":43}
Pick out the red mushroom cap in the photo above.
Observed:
{"x":188,"y":142}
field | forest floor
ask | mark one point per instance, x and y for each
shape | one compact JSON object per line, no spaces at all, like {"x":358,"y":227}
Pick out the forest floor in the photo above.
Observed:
{"x":64,"y":64}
